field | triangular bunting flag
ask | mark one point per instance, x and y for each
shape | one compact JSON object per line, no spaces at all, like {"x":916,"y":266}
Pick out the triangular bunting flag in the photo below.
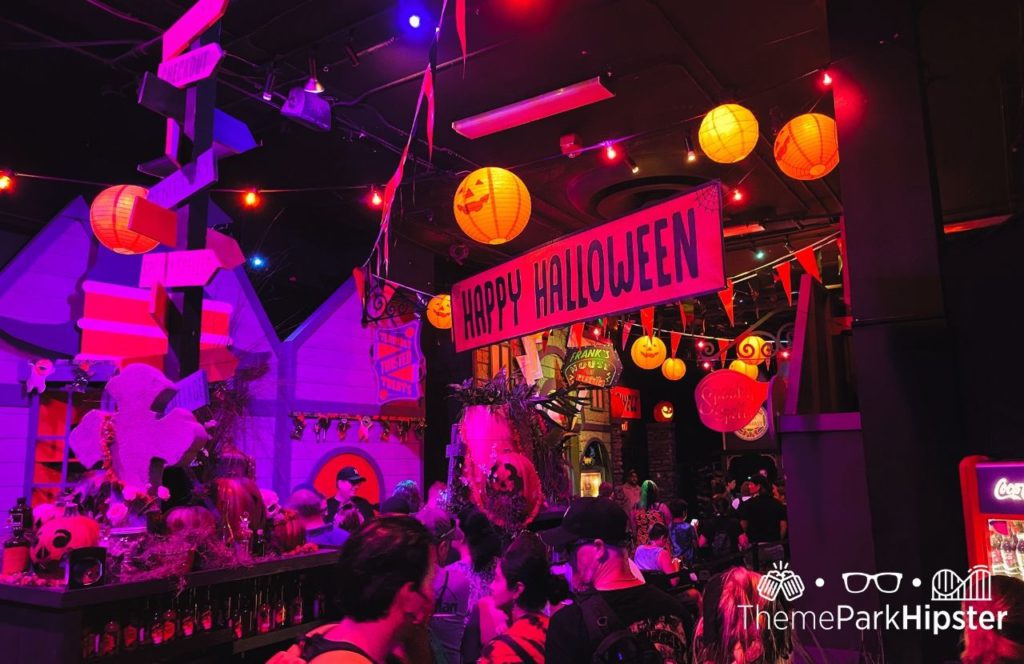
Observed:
{"x":809,"y":262}
{"x":725,"y":295}
{"x":675,"y":337}
{"x":723,"y":344}
{"x":647,"y":320}
{"x":785,"y":271}
{"x":575,"y":335}
{"x":460,"y":27}
{"x":626,"y":327}
{"x":686,"y":314}
{"x":428,"y":92}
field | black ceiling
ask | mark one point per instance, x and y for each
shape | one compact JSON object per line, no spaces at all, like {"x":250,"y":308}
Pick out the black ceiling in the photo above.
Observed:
{"x":71,"y":69}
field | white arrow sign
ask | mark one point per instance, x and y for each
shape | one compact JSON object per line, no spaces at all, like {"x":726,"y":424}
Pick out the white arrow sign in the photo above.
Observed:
{"x":192,"y":66}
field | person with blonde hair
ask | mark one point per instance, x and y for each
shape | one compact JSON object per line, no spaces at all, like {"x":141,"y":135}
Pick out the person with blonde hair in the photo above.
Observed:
{"x":730,"y":631}
{"x":1005,"y":644}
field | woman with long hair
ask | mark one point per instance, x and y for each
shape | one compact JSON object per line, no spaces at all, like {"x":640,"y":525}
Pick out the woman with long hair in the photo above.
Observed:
{"x":649,"y":511}
{"x":1005,"y":644}
{"x":729,"y":632}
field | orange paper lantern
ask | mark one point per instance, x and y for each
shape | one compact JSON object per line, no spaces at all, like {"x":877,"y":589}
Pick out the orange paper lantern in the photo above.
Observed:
{"x":109,"y":215}
{"x":673,"y":368}
{"x":748,"y":370}
{"x":752,"y":350}
{"x":728,"y":133}
{"x":648,"y":352}
{"x":807,"y":148}
{"x":492,"y":205}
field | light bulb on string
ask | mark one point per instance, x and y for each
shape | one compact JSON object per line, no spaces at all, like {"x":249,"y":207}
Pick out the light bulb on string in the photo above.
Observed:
{"x":257,"y":262}
{"x":826,"y":78}
{"x":251,"y":198}
{"x":691,"y":155}
{"x":375,"y":198}
{"x":737,"y":195}
{"x":6,"y":181}
{"x":611,"y":154}
{"x":706,"y":365}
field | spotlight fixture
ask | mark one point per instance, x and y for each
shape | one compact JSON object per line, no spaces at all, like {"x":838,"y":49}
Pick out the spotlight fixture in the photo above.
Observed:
{"x":633,"y":168}
{"x":257,"y":262}
{"x":251,"y":198}
{"x":6,"y":181}
{"x":268,"y":85}
{"x":313,"y":85}
{"x":375,"y":198}
{"x":691,"y":156}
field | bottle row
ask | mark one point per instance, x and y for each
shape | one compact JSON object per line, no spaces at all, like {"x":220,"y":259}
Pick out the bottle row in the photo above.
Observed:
{"x":256,"y":606}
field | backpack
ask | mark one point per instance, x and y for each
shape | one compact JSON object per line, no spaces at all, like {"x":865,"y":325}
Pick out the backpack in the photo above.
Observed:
{"x":615,"y":642}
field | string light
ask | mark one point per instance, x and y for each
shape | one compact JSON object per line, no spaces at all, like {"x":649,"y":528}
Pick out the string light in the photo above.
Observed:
{"x":706,"y":365}
{"x":257,"y":262}
{"x":737,"y":195}
{"x":610,"y":153}
{"x":375,"y":198}
{"x":785,"y":354}
{"x":691,"y":156}
{"x":826,"y":78}
{"x":701,"y":344}
{"x":6,"y":181}
{"x":251,"y":198}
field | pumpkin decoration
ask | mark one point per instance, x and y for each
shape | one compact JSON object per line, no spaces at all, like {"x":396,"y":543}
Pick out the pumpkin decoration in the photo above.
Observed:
{"x":748,"y":370}
{"x":439,"y":312}
{"x":753,"y":349}
{"x":60,"y":535}
{"x":664,"y":411}
{"x":510,"y":494}
{"x":673,"y":368}
{"x":235,"y":496}
{"x":109,"y":215}
{"x":648,"y":352}
{"x":492,"y":205}
{"x":191,"y":518}
{"x":288,"y":533}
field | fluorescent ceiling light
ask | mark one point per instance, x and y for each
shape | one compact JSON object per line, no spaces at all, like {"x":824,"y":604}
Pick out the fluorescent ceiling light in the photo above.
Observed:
{"x":533,"y":109}
{"x":745,"y":229}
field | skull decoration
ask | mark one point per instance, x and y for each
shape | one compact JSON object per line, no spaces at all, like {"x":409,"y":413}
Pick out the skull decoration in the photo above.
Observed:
{"x":343,"y":425}
{"x":36,"y":381}
{"x":43,"y":514}
{"x":61,"y":535}
{"x":298,"y":425}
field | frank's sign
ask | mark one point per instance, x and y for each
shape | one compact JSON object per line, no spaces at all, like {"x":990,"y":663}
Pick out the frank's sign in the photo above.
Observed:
{"x":664,"y":253}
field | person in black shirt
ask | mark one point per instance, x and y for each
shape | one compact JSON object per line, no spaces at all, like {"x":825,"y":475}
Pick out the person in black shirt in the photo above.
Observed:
{"x":346,"y":480}
{"x":763,"y":519}
{"x":595,"y":533}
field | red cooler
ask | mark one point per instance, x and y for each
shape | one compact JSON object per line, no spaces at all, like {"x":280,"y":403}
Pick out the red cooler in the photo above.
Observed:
{"x":993,"y":495}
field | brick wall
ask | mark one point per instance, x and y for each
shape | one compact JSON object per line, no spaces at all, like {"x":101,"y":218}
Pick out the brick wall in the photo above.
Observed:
{"x":661,"y":450}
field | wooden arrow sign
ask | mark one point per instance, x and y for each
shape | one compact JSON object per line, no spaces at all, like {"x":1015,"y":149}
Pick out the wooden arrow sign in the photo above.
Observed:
{"x":154,"y":221}
{"x":181,"y":184}
{"x":192,"y":66}
{"x":175,"y":269}
{"x":197,"y":20}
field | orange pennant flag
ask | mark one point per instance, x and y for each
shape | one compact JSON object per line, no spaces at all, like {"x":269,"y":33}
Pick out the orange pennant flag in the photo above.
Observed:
{"x":675,"y":337}
{"x":809,"y":262}
{"x":647,"y":320}
{"x":626,"y":327}
{"x":725,"y":295}
{"x":785,"y":271}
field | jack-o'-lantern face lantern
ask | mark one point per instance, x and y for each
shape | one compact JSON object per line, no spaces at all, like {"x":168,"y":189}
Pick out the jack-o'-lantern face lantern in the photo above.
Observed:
{"x":439,"y":312}
{"x":492,"y":205}
{"x":664,"y":411}
{"x":60,"y":535}
{"x":648,"y":352}
{"x":472,"y":195}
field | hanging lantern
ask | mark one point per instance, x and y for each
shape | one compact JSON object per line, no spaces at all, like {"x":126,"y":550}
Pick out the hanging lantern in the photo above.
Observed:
{"x":728,"y":133}
{"x":664,"y":411}
{"x":748,"y":370}
{"x":673,"y":368}
{"x":648,"y":352}
{"x":109,"y":215}
{"x":807,"y":148}
{"x":492,"y":205}
{"x":439,"y":312}
{"x":753,"y":350}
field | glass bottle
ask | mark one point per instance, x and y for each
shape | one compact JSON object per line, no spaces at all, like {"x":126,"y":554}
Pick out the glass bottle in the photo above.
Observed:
{"x":188,"y":615}
{"x":318,"y":604}
{"x":16,"y":550}
{"x":244,"y":533}
{"x":280,"y":610}
{"x":259,"y":544}
{"x":264,"y":618}
{"x":21,"y":514}
{"x":297,"y":605}
{"x":156,"y":627}
{"x":170,"y":622}
{"x":130,"y":632}
{"x":238,"y":619}
{"x":110,"y":639}
{"x":205,"y":612}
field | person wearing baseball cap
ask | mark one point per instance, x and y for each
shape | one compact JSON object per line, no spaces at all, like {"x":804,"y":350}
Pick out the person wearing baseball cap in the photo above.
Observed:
{"x":346,"y":481}
{"x":595,"y":535}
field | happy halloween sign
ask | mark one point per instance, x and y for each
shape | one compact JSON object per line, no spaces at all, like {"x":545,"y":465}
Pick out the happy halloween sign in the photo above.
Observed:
{"x":664,"y":253}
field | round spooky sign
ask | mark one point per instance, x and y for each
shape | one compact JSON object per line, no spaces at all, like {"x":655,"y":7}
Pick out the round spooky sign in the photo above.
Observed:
{"x":728,"y":400}
{"x":756,"y":428}
{"x":597,"y":365}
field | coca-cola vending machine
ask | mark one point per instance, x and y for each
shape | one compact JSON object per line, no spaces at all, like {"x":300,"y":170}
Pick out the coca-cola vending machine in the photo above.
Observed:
{"x":993,"y":497}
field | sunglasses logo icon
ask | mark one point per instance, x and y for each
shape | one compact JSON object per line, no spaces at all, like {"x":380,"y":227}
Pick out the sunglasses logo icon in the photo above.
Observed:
{"x":885,"y":582}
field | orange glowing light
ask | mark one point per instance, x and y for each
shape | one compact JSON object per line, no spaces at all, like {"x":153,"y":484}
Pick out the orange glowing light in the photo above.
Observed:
{"x":251,"y":198}
{"x":6,"y":181}
{"x":737,"y":195}
{"x":375,"y":199}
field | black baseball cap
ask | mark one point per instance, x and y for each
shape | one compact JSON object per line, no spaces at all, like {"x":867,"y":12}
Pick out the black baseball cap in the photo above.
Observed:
{"x":350,"y":475}
{"x":590,"y":519}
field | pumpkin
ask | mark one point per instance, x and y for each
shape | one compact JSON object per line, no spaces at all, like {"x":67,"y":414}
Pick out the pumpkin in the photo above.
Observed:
{"x":61,"y":535}
{"x":673,"y":368}
{"x":664,"y":411}
{"x":235,"y":496}
{"x":748,"y":370}
{"x":648,"y":352}
{"x":288,"y":532}
{"x":195,"y":518}
{"x":439,"y":312}
{"x":510,"y":494}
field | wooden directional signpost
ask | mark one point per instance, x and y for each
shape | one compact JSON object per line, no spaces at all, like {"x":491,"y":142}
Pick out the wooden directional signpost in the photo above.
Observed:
{"x":175,"y":212}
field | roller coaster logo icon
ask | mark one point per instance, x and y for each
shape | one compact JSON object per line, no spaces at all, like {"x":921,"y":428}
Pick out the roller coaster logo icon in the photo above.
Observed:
{"x":948,"y":586}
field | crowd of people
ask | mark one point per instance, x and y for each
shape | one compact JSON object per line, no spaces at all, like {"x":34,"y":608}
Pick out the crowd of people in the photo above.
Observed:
{"x":609,"y":583}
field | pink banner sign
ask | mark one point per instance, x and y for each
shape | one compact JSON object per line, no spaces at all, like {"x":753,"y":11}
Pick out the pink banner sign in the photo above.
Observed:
{"x":664,"y":253}
{"x":727,"y":400}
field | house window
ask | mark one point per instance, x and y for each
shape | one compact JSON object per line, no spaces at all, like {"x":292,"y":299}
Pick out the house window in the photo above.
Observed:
{"x":489,"y":360}
{"x":55,"y":467}
{"x":599,"y":399}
